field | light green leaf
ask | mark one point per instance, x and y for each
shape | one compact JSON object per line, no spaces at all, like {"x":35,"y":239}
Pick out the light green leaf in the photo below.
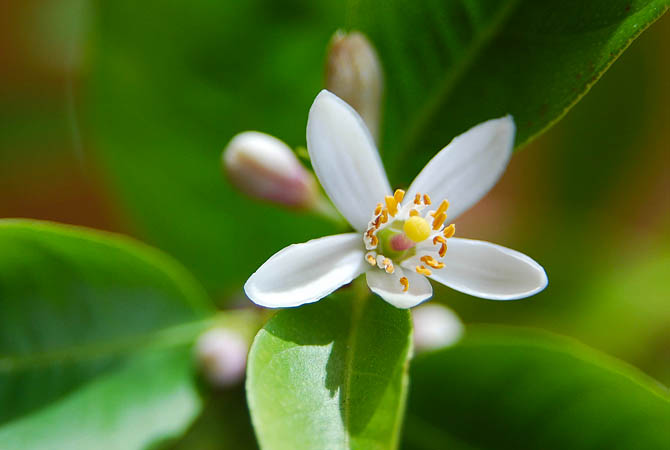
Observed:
{"x":95,"y":332}
{"x":452,"y":64}
{"x":502,"y":388}
{"x":330,"y":375}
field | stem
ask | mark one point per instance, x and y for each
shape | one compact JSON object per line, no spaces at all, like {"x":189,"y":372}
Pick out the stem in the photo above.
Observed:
{"x":325,"y":209}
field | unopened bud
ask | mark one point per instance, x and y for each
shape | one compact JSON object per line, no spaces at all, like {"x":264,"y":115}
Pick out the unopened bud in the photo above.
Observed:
{"x":435,"y":326}
{"x":265,"y":167}
{"x":354,"y":74}
{"x":222,"y":356}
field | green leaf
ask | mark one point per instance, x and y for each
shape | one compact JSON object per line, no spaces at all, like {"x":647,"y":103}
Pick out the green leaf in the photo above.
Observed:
{"x":95,"y":331}
{"x":164,"y":98}
{"x":330,"y":375}
{"x":452,"y":64}
{"x":502,"y":388}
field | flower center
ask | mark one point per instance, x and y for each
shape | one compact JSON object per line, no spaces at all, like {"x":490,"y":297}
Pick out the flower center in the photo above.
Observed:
{"x":400,"y":233}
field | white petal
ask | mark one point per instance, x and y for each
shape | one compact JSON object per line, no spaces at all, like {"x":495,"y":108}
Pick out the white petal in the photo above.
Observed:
{"x":389,"y":288}
{"x":345,"y":159}
{"x":489,"y":271}
{"x":305,"y":273}
{"x":466,"y":169}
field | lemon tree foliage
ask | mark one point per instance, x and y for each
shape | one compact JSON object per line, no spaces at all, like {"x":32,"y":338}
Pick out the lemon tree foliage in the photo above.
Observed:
{"x":452,"y":64}
{"x":330,"y":375}
{"x":95,"y":334}
{"x":506,"y":388}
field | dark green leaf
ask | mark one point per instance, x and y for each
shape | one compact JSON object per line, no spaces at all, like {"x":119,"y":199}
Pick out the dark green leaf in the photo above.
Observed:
{"x":453,"y":64}
{"x":502,"y":388}
{"x":166,"y":95}
{"x":330,"y":375}
{"x":94,"y":339}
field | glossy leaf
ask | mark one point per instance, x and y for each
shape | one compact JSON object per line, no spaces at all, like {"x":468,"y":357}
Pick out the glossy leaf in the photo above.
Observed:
{"x":95,"y":332}
{"x":166,"y":96}
{"x":502,"y":388}
{"x":330,"y":375}
{"x":453,"y":64}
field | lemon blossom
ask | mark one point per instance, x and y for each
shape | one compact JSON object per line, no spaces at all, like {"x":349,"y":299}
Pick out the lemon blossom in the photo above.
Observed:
{"x":402,"y":238}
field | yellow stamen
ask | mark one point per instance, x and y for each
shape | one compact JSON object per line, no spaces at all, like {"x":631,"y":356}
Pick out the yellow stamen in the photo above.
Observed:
{"x":378,"y":209}
{"x":416,"y":228}
{"x":438,"y":221}
{"x":441,"y":209}
{"x":398,"y":195}
{"x":405,"y":283}
{"x":385,"y":215}
{"x":426,"y":199}
{"x":388,"y":266}
{"x":391,"y":205}
{"x":443,"y":250}
{"x":371,"y":259}
{"x":449,"y":231}
{"x":374,"y":240}
{"x":413,"y":212}
{"x":423,"y":271}
{"x":432,"y":262}
{"x":417,"y":199}
{"x":439,"y":239}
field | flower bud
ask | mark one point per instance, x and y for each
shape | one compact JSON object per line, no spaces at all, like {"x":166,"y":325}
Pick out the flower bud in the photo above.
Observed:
{"x":265,"y":167}
{"x":435,"y":326}
{"x":354,"y":74}
{"x":222,"y":356}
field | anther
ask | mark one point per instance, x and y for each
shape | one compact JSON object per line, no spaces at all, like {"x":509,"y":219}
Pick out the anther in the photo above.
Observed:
{"x":373,"y":240}
{"x":426,"y":199}
{"x":441,"y":209}
{"x":371,"y":259}
{"x":443,"y":250}
{"x":391,"y":205}
{"x":432,"y":262}
{"x":413,"y":212}
{"x":423,"y":271}
{"x":385,"y":215}
{"x":405,"y":283}
{"x":398,"y":195}
{"x":378,"y":209}
{"x":449,"y":231}
{"x":439,"y":239}
{"x":439,"y":220}
{"x":417,"y":199}
{"x":378,"y":221}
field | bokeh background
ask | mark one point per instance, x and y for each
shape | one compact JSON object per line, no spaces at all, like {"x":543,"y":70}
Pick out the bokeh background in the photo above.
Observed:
{"x":113,"y":115}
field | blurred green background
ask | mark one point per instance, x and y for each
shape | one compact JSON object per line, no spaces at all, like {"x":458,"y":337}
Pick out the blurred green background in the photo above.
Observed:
{"x":113,"y":115}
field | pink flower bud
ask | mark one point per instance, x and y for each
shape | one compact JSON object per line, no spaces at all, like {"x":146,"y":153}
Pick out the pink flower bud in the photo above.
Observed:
{"x":222,"y":356}
{"x":354,"y":74}
{"x":265,"y":167}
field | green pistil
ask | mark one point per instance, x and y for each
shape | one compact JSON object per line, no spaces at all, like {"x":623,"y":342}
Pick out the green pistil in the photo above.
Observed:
{"x":384,"y":246}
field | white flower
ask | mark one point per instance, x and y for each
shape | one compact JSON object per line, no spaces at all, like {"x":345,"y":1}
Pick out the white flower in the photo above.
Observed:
{"x":401,"y":239}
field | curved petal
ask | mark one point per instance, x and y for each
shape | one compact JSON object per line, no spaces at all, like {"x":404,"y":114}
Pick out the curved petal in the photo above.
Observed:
{"x":489,"y":271}
{"x":390,"y":289}
{"x":466,"y":169}
{"x":305,"y":273}
{"x":345,"y":159}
